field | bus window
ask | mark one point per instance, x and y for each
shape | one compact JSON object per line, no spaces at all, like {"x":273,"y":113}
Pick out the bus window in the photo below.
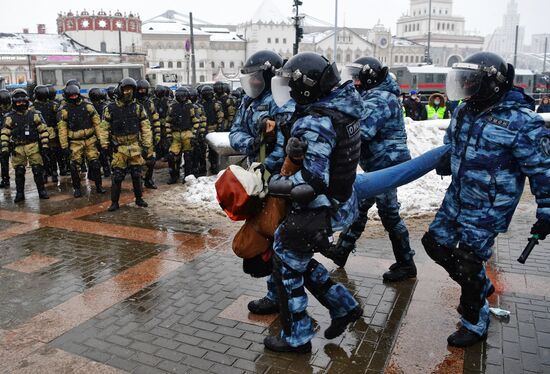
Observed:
{"x":519,"y":79}
{"x":135,"y":73}
{"x":152,"y":79}
{"x":414,"y":80}
{"x":170,"y":78}
{"x":399,"y":73}
{"x":429,"y":78}
{"x":112,"y":75}
{"x":441,"y":78}
{"x":93,"y":76}
{"x":72,"y":74}
{"x":48,"y":77}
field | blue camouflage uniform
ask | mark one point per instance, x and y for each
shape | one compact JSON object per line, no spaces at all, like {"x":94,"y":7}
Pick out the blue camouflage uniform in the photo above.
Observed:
{"x":298,"y":268}
{"x":244,"y":135}
{"x":491,"y":154}
{"x":384,"y":144}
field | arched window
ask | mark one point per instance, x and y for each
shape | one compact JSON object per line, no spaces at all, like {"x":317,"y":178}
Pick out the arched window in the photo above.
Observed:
{"x":222,"y":64}
{"x":406,"y":59}
{"x":396,"y":58}
{"x":453,"y":27}
{"x":438,"y":25}
{"x":276,"y":40}
{"x":348,"y":57}
{"x":178,"y":64}
{"x":103,"y":46}
{"x":231,"y":64}
{"x":268,"y":40}
{"x":201,"y":78}
{"x":212,"y":64}
{"x":170,"y":64}
{"x":161,"y":64}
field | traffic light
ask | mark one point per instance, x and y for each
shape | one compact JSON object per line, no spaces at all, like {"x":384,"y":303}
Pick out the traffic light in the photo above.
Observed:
{"x":299,"y":33}
{"x":297,"y":3}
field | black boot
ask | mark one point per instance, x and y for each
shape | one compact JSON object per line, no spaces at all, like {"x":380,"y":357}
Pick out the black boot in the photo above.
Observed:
{"x":278,"y":344}
{"x":95,"y":175}
{"x":138,"y":193}
{"x":148,"y":181}
{"x":340,"y":252}
{"x":174,"y":171}
{"x":5,"y":171}
{"x":75,"y":177}
{"x":400,"y":271}
{"x":38,"y":174}
{"x":263,"y":306}
{"x":338,"y":325}
{"x":19,"y":184}
{"x":464,"y":338}
{"x":115,"y":195}
{"x":187,"y":164}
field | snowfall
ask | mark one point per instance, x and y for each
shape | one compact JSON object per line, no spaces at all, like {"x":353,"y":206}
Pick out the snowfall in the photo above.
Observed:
{"x":197,"y":196}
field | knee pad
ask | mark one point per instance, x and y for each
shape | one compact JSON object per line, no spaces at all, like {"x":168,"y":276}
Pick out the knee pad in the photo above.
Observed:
{"x":467,"y":263}
{"x":440,"y":254}
{"x":317,"y":289}
{"x":20,"y":171}
{"x":118,"y":175}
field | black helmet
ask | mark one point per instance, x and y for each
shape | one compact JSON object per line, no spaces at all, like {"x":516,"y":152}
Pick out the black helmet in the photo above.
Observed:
{"x":226,"y":88}
{"x":369,"y":71}
{"x":20,"y":99}
{"x":142,"y":85}
{"x":207,"y":92}
{"x":41,"y":93}
{"x":161,"y":91}
{"x":182,"y":94}
{"x":193,"y":94}
{"x":111,"y":92}
{"x":73,"y":82}
{"x":237,"y":92}
{"x":70,"y":91}
{"x":218,"y":88}
{"x":482,"y":79}
{"x":5,"y":97}
{"x":258,"y":71}
{"x":127,"y":83}
{"x":52,"y":92}
{"x":97,"y":94}
{"x":310,"y":77}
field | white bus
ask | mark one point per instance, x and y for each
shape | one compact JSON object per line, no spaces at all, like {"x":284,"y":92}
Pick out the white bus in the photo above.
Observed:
{"x":88,"y":75}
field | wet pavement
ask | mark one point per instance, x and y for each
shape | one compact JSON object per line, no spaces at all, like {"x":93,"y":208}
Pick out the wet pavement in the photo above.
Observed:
{"x":89,"y":291}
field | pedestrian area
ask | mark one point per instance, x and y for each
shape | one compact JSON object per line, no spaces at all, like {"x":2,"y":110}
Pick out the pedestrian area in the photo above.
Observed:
{"x":87,"y":291}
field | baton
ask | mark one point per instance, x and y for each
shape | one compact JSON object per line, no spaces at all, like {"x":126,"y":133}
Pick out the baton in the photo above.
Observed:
{"x":533,"y":240}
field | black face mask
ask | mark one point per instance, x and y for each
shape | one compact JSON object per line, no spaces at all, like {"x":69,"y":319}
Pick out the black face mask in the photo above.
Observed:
{"x":21,"y":106}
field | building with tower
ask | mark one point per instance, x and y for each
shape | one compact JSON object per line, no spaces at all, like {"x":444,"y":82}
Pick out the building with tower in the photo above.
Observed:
{"x":450,"y":42}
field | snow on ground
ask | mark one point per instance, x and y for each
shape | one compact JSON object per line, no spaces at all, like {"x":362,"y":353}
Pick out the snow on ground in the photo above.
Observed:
{"x":423,"y":196}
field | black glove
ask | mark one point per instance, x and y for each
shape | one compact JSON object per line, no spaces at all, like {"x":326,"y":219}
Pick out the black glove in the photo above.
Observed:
{"x":107,"y":153}
{"x":444,"y":166}
{"x":67,"y":153}
{"x":295,"y":148}
{"x":46,"y":155}
{"x":541,"y":228}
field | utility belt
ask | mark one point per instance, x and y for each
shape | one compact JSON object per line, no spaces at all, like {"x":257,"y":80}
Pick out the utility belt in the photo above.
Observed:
{"x":125,"y":139}
{"x":86,"y":134}
{"x":23,"y":142}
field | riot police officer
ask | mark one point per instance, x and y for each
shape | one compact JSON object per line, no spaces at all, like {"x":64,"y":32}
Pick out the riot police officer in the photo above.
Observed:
{"x":127,"y":132}
{"x":99,"y":99}
{"x":496,"y":142}
{"x":79,"y":130}
{"x":25,"y":135}
{"x":161,"y":100}
{"x":213,"y":112}
{"x":5,"y":108}
{"x":384,"y":144}
{"x":48,"y":108}
{"x":227,"y":102}
{"x":199,"y":141}
{"x":182,"y":125}
{"x":326,"y":123}
{"x":142,"y":96}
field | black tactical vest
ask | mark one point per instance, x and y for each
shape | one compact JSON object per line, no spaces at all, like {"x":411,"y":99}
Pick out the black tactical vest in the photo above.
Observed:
{"x":78,"y":116}
{"x":161,"y":105}
{"x":345,"y":155}
{"x":181,"y":117}
{"x":23,"y":128}
{"x":124,"y":120}
{"x":100,"y":107}
{"x":46,"y":108}
{"x":146,"y":104}
{"x":210,"y":113}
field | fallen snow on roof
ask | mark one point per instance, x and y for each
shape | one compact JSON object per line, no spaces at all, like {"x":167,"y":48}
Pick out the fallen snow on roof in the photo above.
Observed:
{"x":37,"y":44}
{"x":267,"y":12}
{"x":167,"y":26}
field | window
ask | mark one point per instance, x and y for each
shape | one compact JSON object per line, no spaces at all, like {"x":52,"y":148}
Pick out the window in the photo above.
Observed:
{"x":212,"y":65}
{"x":284,"y":40}
{"x":170,"y":64}
{"x":135,"y":73}
{"x":72,"y":74}
{"x":453,"y":27}
{"x":439,"y":11}
{"x":93,"y":76}
{"x":112,"y":75}
{"x":231,"y":64}
{"x":222,"y":64}
{"x":401,"y":58}
{"x":161,"y":64}
{"x":429,"y":78}
{"x":276,"y":40}
{"x":441,"y":78}
{"x":398,"y":73}
{"x":170,"y":78}
{"x":178,"y":64}
{"x":268,"y":40}
{"x":396,"y":58}
{"x":406,"y":58}
{"x":103,"y":47}
{"x":201,"y":78}
{"x":338,"y":57}
{"x":201,"y":64}
{"x":446,"y":11}
{"x":406,"y":28}
{"x":348,"y":57}
{"x":48,"y":77}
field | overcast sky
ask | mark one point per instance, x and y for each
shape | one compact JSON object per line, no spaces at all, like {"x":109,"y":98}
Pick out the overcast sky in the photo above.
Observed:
{"x":481,"y":15}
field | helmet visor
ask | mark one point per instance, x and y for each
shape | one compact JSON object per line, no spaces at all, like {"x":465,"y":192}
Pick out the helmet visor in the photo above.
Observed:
{"x":280,"y":90}
{"x":253,"y":83}
{"x":351,"y":73}
{"x":463,"y":83}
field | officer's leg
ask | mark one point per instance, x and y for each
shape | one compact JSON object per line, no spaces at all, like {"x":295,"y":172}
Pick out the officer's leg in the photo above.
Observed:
{"x":149,"y":169}
{"x":213,"y":160}
{"x":54,"y":154}
{"x":4,"y":171}
{"x":19,"y":161}
{"x":75,"y":177}
{"x":172,"y":156}
{"x":37,"y":165}
{"x":268,"y":304}
{"x":135,"y":172}
{"x":388,"y":209}
{"x":117,"y":177}
{"x":92,"y":156}
{"x":187,"y":155}
{"x":202,"y":159}
{"x":343,"y":308}
{"x":340,"y":252}
{"x":104,"y":161}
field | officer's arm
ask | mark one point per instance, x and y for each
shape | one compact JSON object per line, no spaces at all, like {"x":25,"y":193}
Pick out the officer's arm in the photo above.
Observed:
{"x":5,"y":135}
{"x":62,"y":130}
{"x":239,"y":137}
{"x":376,"y":114}
{"x":96,"y":120}
{"x":195,"y":121}
{"x":156,"y":122}
{"x":532,"y":150}
{"x":274,"y":161}
{"x":168,"y":123}
{"x":219,"y":115}
{"x":105,"y":129}
{"x":231,"y":110}
{"x":42,"y":130}
{"x":146,"y":133}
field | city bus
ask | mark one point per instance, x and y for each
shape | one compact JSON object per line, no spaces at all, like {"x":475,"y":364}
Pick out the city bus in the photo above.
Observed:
{"x":89,"y":76}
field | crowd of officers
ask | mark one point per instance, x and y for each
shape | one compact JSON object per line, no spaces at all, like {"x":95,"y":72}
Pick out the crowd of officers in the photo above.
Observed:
{"x":111,"y":132}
